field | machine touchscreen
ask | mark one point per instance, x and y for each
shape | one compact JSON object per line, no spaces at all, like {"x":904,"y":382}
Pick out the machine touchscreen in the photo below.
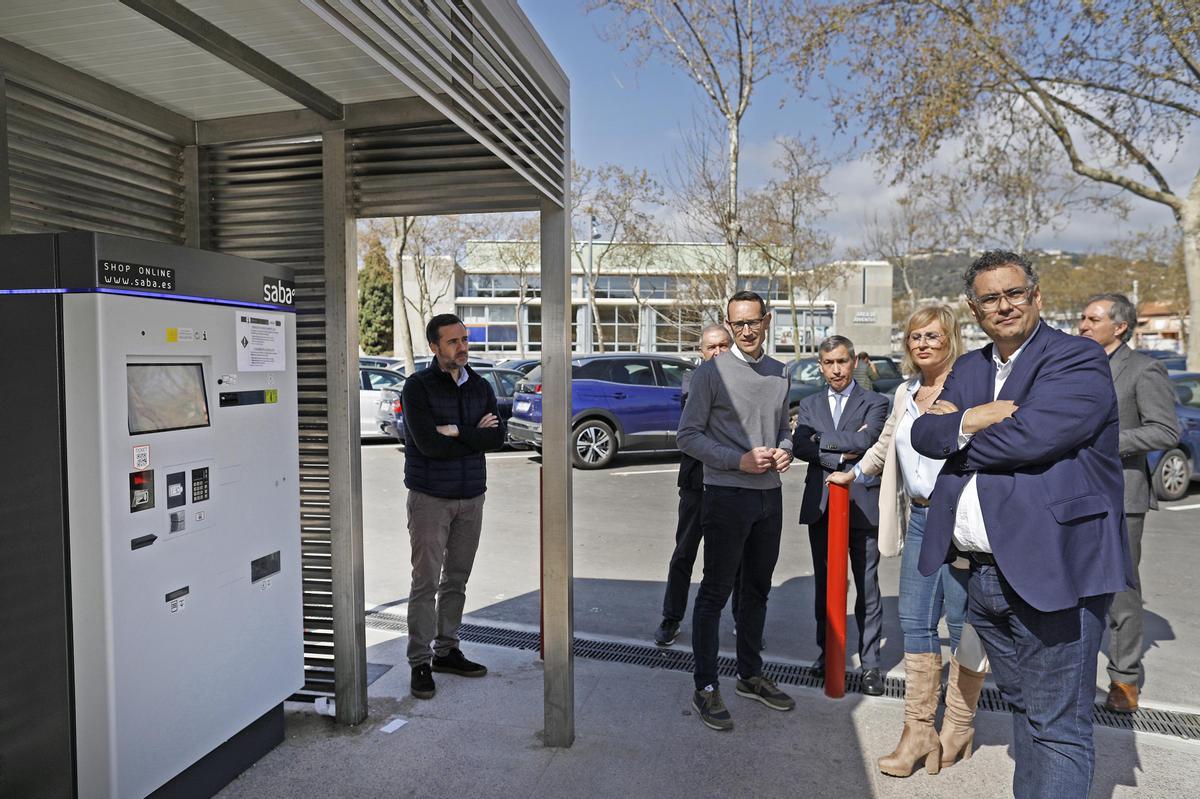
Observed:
{"x":166,"y":396}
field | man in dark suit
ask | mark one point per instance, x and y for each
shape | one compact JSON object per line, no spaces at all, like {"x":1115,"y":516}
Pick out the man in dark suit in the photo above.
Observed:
{"x":1031,"y":494}
{"x":1146,"y":406}
{"x":714,"y":340}
{"x":833,"y":428}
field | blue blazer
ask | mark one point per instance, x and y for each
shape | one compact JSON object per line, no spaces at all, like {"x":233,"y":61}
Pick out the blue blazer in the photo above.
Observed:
{"x":1049,"y":479}
{"x":863,"y":418}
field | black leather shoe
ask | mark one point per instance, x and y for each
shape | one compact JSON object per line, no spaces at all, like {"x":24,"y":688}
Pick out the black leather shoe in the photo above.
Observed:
{"x":819,"y":664}
{"x":872,"y":682}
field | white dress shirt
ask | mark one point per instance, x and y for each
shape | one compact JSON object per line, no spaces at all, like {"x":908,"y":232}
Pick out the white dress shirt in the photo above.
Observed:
{"x":739,"y":354}
{"x":919,"y":472}
{"x":970,"y":531}
{"x":832,"y":396}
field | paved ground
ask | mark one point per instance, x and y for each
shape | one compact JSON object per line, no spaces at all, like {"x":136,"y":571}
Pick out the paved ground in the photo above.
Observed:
{"x":624,"y":533}
{"x":636,"y":733}
{"x":637,"y":737}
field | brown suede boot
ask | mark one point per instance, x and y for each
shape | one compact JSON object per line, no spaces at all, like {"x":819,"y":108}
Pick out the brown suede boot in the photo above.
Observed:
{"x":962,"y":695}
{"x":919,"y":741}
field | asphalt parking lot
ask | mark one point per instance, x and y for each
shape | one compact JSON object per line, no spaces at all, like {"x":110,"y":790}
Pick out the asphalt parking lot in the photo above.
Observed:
{"x":624,"y":533}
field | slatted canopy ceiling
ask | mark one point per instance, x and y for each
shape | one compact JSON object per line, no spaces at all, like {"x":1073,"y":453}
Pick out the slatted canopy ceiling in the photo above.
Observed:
{"x":477,"y":63}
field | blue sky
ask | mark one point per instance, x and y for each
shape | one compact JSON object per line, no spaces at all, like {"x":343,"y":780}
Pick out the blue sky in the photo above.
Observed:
{"x":632,"y":116}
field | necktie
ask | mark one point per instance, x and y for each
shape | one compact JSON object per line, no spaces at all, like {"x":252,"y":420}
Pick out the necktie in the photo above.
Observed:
{"x":837,"y":409}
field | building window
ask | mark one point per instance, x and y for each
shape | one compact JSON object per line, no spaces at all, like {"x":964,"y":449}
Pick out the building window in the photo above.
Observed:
{"x":814,"y":326}
{"x":614,"y":288}
{"x":676,"y":329}
{"x":500,"y":286}
{"x":533,"y":336}
{"x":657,"y":287}
{"x":767,"y":288}
{"x":492,"y":328}
{"x":619,"y":326}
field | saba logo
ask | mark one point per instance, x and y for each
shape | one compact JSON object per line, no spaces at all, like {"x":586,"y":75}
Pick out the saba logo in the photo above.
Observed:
{"x":279,"y":291}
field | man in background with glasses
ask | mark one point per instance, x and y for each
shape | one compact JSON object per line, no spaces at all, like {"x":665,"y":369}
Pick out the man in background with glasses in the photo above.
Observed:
{"x":1032,"y":495}
{"x":735,"y":422}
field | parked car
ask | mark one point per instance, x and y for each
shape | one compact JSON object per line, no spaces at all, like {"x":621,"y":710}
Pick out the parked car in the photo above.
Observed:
{"x":806,"y":379}
{"x":379,"y":361}
{"x":1172,"y":471}
{"x":421,"y":363}
{"x":622,"y":402}
{"x":522,"y":365}
{"x":372,"y":382}
{"x":389,"y":415}
{"x":1170,"y":360}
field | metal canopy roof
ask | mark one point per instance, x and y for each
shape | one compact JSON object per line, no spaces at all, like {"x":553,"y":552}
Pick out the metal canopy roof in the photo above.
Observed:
{"x":195,"y":69}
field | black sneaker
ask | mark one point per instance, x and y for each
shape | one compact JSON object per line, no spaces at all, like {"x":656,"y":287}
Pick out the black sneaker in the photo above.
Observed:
{"x":872,"y":682}
{"x":456,"y":663}
{"x":667,"y":632}
{"x":708,"y":704}
{"x":422,"y":686}
{"x":765,"y":691}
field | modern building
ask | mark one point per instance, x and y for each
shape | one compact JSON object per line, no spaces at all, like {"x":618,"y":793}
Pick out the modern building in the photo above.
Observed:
{"x":656,"y":297}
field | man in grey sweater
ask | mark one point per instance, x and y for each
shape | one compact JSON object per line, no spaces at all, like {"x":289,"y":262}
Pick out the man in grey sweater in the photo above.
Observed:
{"x":735,"y":422}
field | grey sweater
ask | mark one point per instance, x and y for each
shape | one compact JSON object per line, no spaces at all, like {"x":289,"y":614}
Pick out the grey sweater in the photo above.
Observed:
{"x":732,"y":407}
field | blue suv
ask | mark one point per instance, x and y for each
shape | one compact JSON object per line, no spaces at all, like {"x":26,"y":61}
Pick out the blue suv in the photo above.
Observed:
{"x":623,"y":402}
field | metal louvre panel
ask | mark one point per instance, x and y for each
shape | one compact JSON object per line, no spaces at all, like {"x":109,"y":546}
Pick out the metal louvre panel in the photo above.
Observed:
{"x":264,"y":201}
{"x":75,"y":168}
{"x":432,"y":169}
{"x":452,"y":57}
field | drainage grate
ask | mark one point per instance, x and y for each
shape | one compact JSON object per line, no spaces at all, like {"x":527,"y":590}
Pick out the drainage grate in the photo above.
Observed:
{"x":1162,"y":722}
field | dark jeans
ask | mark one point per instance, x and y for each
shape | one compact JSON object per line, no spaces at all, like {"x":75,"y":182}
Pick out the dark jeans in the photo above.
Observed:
{"x":687,"y":542}
{"x":741,"y":529}
{"x":1044,"y":663}
{"x":868,"y":605}
{"x":1125,"y":616}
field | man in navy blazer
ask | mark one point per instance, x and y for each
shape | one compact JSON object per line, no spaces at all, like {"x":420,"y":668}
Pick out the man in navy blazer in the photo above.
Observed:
{"x":1032,"y":495}
{"x":833,"y":428}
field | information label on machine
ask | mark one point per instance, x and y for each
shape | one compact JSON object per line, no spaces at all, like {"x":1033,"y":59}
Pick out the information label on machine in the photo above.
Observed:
{"x":141,"y":457}
{"x":261,"y":342}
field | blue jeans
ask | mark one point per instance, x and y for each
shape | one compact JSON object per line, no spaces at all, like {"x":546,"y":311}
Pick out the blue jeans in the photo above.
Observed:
{"x":923,"y":599}
{"x":1045,"y":665}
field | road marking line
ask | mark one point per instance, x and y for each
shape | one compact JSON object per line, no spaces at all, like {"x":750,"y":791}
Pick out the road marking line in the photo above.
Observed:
{"x":1183,"y":507}
{"x":647,"y":471}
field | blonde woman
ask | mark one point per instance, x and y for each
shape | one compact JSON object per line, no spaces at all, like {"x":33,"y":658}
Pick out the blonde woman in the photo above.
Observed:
{"x":932,"y":343}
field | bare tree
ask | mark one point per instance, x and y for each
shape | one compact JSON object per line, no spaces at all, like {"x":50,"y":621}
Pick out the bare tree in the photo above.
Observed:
{"x":613,"y":205}
{"x":726,"y":47}
{"x":924,"y":220}
{"x":1115,"y":83}
{"x":521,"y":255}
{"x":782,"y":230}
{"x":392,"y":233}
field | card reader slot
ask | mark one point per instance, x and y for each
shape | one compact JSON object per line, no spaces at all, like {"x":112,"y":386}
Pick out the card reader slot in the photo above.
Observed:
{"x":264,"y":566}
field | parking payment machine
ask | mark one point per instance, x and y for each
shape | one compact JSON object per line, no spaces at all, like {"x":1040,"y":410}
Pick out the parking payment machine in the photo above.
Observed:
{"x":149,"y":516}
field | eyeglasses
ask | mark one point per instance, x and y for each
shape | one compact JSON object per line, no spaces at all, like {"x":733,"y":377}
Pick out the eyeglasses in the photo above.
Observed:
{"x":1016,"y":297}
{"x":934,"y":339}
{"x":753,"y":324}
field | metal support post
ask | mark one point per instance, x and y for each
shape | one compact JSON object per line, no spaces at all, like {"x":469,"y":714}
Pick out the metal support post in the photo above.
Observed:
{"x":345,"y":455}
{"x":557,"y":570}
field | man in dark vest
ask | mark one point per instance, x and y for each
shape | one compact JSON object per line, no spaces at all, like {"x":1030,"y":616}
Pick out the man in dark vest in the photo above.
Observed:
{"x":451,"y":419}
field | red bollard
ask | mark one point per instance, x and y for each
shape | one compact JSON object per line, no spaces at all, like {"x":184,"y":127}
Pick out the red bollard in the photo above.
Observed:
{"x":541,"y":571}
{"x":835,"y":591}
